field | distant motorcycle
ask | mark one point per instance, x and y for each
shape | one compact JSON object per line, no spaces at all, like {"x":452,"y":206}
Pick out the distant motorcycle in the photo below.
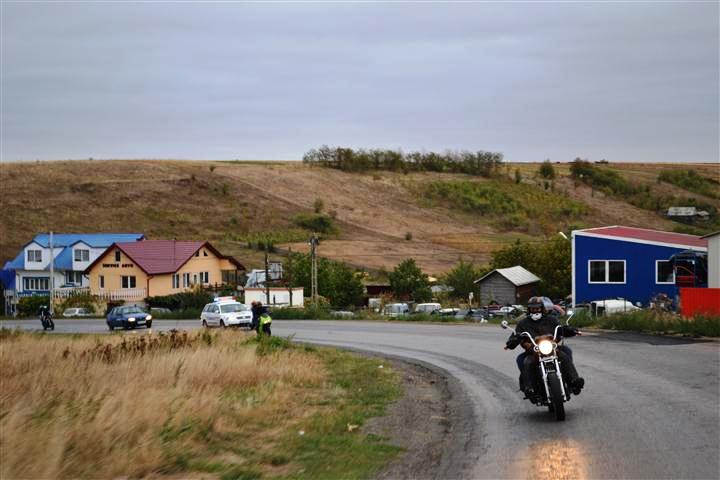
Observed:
{"x":46,"y":318}
{"x":555,"y":392}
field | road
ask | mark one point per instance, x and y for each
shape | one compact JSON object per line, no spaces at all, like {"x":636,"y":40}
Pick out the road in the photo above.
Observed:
{"x":650,"y":409}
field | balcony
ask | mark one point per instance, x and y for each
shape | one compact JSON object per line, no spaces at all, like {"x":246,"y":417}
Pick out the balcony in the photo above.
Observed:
{"x":123,"y":294}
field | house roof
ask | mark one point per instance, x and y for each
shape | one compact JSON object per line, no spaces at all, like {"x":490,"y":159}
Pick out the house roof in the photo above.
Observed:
{"x":643,"y":235}
{"x":91,"y":239}
{"x":156,"y":257}
{"x":710,"y":235}
{"x":516,"y":275}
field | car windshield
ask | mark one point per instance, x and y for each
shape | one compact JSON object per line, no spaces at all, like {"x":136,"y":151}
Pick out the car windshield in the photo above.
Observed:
{"x":233,"y":307}
{"x":127,"y":310}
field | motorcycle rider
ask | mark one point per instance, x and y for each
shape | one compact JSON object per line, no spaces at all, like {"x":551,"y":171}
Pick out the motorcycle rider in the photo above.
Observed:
{"x":542,"y":321}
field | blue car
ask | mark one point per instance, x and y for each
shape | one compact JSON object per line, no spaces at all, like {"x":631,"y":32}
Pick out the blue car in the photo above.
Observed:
{"x":128,"y":317}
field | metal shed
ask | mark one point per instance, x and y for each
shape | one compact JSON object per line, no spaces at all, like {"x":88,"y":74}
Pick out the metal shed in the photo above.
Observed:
{"x":514,"y":285}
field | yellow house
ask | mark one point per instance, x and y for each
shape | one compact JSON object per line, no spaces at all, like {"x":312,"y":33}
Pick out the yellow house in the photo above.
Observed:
{"x":134,"y":270}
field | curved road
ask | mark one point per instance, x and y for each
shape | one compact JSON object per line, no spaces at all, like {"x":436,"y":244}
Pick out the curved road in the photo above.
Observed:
{"x":650,"y":409}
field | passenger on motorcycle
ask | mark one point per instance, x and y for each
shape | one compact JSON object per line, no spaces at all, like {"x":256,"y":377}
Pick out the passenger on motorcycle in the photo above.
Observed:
{"x":542,"y":321}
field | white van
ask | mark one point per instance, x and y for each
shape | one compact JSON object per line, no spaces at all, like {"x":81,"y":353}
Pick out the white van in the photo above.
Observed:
{"x":396,"y":309}
{"x":427,"y":307}
{"x":609,"y":307}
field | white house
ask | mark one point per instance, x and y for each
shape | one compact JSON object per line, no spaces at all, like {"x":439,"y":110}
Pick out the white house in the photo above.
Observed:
{"x":29,"y":272}
{"x":713,"y":259}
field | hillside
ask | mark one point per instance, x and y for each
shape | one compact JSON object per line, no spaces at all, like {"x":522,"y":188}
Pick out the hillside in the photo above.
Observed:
{"x":375,"y":212}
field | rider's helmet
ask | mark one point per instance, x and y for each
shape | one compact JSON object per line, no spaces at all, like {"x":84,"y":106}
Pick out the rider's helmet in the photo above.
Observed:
{"x":536,"y":308}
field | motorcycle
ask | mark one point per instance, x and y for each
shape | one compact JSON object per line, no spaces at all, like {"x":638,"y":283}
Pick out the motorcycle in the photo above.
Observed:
{"x":47,"y":321}
{"x":556,"y":391}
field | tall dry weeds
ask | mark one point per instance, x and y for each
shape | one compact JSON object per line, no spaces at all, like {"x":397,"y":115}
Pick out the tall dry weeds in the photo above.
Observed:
{"x":102,"y":407}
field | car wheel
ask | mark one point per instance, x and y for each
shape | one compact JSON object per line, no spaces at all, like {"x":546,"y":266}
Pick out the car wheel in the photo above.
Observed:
{"x":204,"y":324}
{"x":111,"y":327}
{"x":222,"y":324}
{"x":148,"y":324}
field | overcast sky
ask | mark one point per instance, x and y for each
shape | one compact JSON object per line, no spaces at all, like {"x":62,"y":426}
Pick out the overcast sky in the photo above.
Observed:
{"x":621,"y":81}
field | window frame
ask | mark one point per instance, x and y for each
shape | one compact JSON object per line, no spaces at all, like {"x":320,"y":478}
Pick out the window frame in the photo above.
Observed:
{"x":607,"y":272}
{"x":101,"y":282}
{"x":33,"y":256}
{"x":84,"y":255}
{"x":118,"y":255}
{"x":657,"y":282}
{"x":34,"y":284}
{"x":186,"y":280}
{"x":175,"y":281}
{"x":131,"y":282}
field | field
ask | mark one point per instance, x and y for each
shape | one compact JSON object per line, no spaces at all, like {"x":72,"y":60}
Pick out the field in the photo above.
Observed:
{"x":203,"y":405}
{"x":382,"y":217}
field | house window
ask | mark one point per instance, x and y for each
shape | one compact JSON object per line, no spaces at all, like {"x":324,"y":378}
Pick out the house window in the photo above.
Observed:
{"x":186,"y":280}
{"x":34,"y":255}
{"x":664,"y":272}
{"x":36,"y":283}
{"x":197,"y":254}
{"x":73,"y":278}
{"x":204,"y":253}
{"x":204,"y":277}
{"x":82,"y":255}
{"x":128,"y":281}
{"x":117,"y":255}
{"x":606,"y":271}
{"x":195,"y":279}
{"x":101,"y":280}
{"x":176,"y":280}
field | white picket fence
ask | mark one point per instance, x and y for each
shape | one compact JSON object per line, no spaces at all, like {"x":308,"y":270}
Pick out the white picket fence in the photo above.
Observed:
{"x":124,"y":294}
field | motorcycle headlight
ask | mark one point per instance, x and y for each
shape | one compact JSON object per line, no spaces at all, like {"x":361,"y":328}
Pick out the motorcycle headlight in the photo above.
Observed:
{"x":131,"y":319}
{"x":545,"y":347}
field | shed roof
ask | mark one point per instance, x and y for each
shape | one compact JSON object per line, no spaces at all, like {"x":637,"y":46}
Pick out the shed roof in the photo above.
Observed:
{"x":516,"y":275}
{"x":644,"y":235}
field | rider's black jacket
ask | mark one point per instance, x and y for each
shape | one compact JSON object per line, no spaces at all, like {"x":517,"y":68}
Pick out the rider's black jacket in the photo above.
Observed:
{"x":545,"y":326}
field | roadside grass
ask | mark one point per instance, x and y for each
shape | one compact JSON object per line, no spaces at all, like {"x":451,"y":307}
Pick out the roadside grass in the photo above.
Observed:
{"x":186,"y":405}
{"x":652,"y":322}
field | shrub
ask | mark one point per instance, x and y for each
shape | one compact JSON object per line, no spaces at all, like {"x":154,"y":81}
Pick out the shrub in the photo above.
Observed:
{"x":29,"y":306}
{"x":193,"y":300}
{"x":408,"y":236}
{"x":408,"y":281}
{"x":316,"y":222}
{"x":318,"y":205}
{"x":692,"y":181}
{"x":84,"y":300}
{"x":547,"y":170}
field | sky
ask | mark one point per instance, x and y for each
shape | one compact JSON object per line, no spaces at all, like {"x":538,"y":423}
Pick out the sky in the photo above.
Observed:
{"x":623,"y":81}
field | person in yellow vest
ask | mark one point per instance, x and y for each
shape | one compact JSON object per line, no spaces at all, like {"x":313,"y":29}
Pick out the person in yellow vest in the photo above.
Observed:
{"x":264,"y":324}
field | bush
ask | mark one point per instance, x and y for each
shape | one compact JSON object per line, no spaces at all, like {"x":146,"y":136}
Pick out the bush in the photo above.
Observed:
{"x":84,"y":300}
{"x":318,"y":205}
{"x":408,"y":281}
{"x":194,"y":300}
{"x":185,"y":314}
{"x":547,"y":170}
{"x":692,"y":181}
{"x":29,"y":306}
{"x":316,"y":222}
{"x":659,"y":322}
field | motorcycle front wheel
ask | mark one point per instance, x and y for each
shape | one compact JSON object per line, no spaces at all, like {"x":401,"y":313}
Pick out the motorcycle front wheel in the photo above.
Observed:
{"x":556,"y":397}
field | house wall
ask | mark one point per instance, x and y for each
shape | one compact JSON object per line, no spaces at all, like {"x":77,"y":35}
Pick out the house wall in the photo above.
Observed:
{"x":714,"y":261}
{"x":498,"y":288}
{"x":45,"y":262}
{"x":278,"y":296}
{"x":640,"y":282}
{"x":113,"y":272}
{"x":162,"y":284}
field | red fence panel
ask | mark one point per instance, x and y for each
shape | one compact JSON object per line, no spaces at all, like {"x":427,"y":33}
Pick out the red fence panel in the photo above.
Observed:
{"x":694,"y":301}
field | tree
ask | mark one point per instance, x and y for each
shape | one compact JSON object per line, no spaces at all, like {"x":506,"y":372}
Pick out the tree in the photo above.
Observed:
{"x":408,"y":281}
{"x":547,"y":170}
{"x":549,"y":260}
{"x":462,"y":279}
{"x":336,"y":281}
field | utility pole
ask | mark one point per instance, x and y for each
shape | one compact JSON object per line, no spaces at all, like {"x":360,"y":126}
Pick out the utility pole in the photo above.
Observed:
{"x":52,"y":275}
{"x":267,"y":278}
{"x":289,"y":276}
{"x":314,"y":242}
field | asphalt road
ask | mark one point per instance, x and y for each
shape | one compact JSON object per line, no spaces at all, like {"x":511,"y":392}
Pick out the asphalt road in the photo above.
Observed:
{"x":650,"y":408}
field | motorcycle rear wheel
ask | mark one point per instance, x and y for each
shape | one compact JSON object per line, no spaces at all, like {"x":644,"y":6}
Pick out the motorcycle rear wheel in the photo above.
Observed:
{"x":556,"y":397}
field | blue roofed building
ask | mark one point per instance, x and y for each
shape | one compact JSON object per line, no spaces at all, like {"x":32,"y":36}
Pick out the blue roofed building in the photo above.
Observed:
{"x":29,"y":272}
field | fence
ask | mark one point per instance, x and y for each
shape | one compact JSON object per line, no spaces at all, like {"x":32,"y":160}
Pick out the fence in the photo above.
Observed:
{"x":694,"y":301}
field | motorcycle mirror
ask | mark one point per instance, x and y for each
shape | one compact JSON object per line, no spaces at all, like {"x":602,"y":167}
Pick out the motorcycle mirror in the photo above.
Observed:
{"x":504,"y":324}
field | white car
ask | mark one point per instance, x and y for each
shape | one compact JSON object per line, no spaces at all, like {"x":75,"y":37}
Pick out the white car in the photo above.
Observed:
{"x":77,"y":312}
{"x":226,"y":313}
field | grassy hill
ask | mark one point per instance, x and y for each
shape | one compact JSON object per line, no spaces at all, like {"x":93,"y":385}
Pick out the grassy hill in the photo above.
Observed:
{"x":381,"y":217}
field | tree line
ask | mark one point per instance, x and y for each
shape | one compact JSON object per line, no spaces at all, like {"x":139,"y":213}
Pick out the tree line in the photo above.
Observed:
{"x":482,"y":163}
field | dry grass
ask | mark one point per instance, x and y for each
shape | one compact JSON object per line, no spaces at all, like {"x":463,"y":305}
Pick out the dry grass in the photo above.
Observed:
{"x":103,"y":407}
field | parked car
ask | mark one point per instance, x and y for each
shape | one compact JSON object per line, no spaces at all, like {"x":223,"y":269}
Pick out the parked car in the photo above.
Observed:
{"x":446,"y":312}
{"x":427,"y":307}
{"x":77,"y":312}
{"x":608,"y":307}
{"x":396,"y":309}
{"x":128,"y":317}
{"x":341,"y":314}
{"x":226,"y":313}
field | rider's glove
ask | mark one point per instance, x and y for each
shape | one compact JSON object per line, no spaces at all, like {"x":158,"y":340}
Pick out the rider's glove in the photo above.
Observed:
{"x":512,"y":342}
{"x":569,"y":331}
